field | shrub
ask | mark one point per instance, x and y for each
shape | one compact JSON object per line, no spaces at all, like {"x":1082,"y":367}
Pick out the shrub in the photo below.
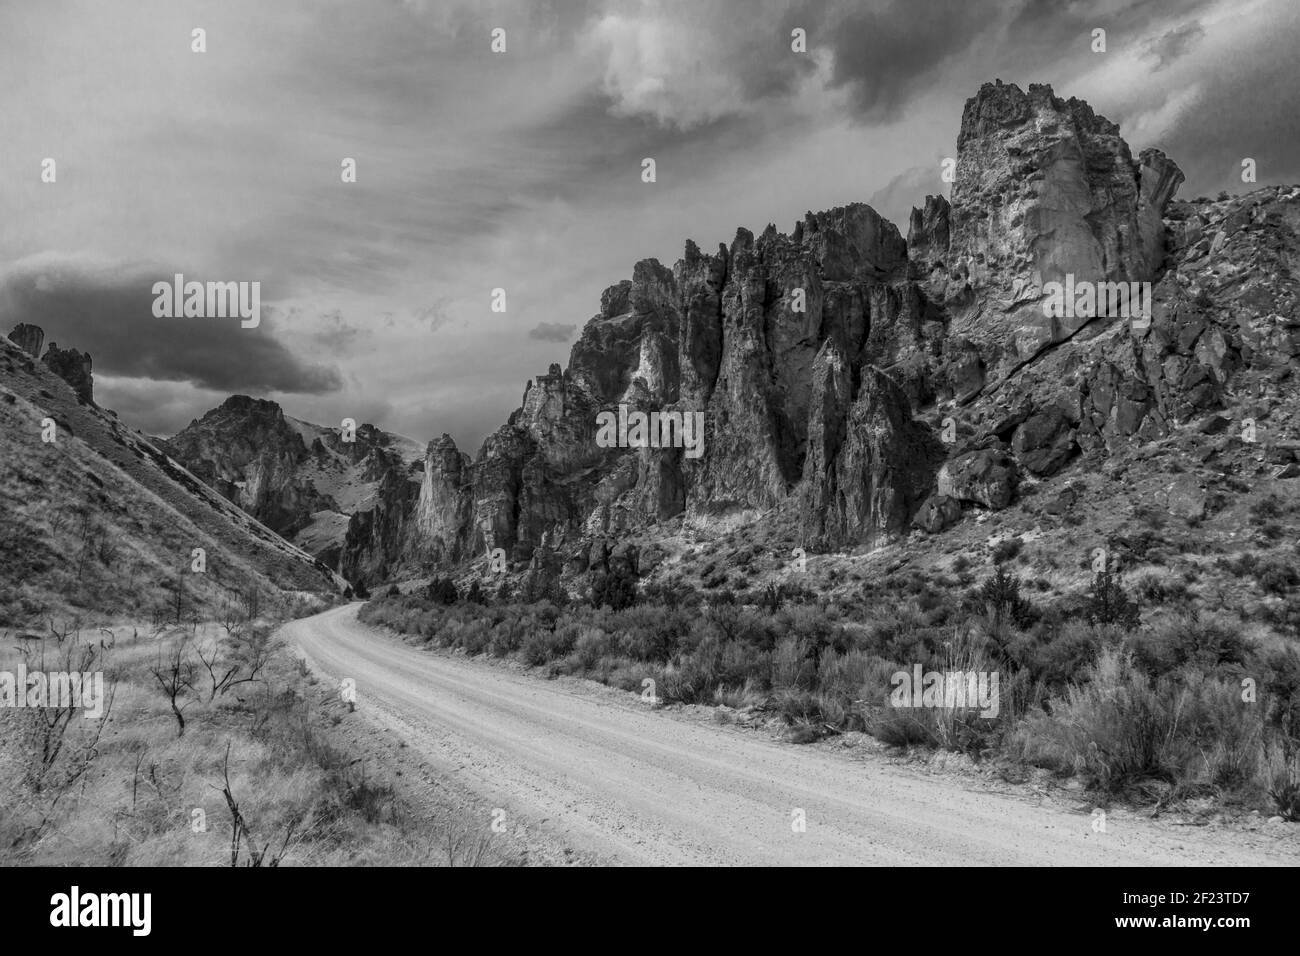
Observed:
{"x":1276,"y":577}
{"x":1189,"y":640}
{"x":650,"y":633}
{"x":1109,"y":604}
{"x":1006,"y":549}
{"x":695,"y":676}
{"x":791,"y":668}
{"x":1119,"y":727}
{"x":591,"y":645}
{"x":616,"y":589}
{"x":1001,"y":596}
{"x":1266,"y":509}
{"x":442,"y":591}
{"x":1123,"y":727}
{"x":1155,"y":589}
{"x":1058,"y":656}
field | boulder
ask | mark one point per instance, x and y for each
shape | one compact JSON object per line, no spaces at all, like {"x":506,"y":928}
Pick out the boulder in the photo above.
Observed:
{"x":936,"y":513}
{"x":985,"y":477}
{"x":1045,"y":442}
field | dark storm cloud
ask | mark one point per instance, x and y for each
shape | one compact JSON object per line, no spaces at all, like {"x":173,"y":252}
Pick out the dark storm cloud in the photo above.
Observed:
{"x":1045,"y":31}
{"x":109,"y":313}
{"x":156,"y":408}
{"x":887,"y":53}
{"x":552,"y":332}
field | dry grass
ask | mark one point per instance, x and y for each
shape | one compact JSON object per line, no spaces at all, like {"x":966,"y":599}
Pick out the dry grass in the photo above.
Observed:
{"x":130,"y":790}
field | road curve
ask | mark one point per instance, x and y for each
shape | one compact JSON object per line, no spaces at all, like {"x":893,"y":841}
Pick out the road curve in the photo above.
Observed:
{"x":601,"y":772}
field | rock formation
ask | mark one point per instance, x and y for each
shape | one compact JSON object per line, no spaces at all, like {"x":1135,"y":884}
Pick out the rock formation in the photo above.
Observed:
{"x":301,"y":480}
{"x":822,"y":361}
{"x":29,"y":338}
{"x":1045,"y":188}
{"x":857,"y":385}
{"x":73,"y":367}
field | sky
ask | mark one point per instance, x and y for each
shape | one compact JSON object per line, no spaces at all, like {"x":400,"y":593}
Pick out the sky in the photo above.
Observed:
{"x":519,"y":170}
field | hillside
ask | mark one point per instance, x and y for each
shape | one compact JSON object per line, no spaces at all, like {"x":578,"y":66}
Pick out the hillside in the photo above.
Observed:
{"x":101,"y":521}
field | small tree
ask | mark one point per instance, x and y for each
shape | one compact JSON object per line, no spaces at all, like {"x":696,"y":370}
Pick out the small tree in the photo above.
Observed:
{"x":617,"y":589}
{"x":1109,"y":604}
{"x":475,"y":594}
{"x":443,"y":591}
{"x":1000,"y":594}
{"x":176,"y":677}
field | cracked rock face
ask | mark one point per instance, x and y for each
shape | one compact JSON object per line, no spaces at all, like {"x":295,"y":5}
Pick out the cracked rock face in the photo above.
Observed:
{"x":1045,"y":189}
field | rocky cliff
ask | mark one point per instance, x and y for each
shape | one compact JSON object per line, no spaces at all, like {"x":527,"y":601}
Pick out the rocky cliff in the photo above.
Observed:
{"x":826,"y":361}
{"x":303,"y":481}
{"x":853,"y":384}
{"x":1045,"y":189}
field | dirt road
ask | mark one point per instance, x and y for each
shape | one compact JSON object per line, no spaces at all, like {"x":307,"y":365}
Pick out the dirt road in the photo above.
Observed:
{"x":599,"y":771}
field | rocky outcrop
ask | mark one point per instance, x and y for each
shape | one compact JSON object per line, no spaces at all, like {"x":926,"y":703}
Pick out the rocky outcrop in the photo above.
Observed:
{"x":68,"y":364}
{"x":1045,"y":189}
{"x":937,"y":513}
{"x":444,"y":511}
{"x":74,"y":368}
{"x":248,"y":451}
{"x":797,"y":355}
{"x":985,"y":477}
{"x":303,"y":481}
{"x":29,"y":338}
{"x":883,"y":465}
{"x":866,"y":386}
{"x":1044,"y":442}
{"x":376,"y":537}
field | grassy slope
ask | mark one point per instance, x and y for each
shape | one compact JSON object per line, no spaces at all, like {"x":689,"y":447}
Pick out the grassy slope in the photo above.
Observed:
{"x":101,"y":522}
{"x":130,"y":790}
